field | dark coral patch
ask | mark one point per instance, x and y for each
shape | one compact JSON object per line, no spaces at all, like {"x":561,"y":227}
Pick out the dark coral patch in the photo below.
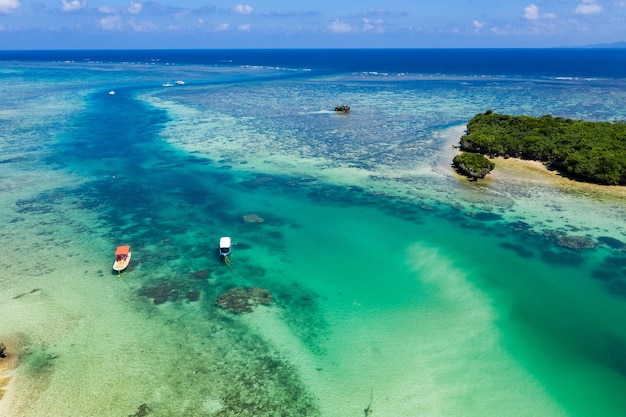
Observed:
{"x":485,"y":216}
{"x":202,"y":274}
{"x":520,"y":250}
{"x":192,"y":295}
{"x":573,"y":242}
{"x":617,"y":288}
{"x":603,"y":275}
{"x":142,"y":411}
{"x":160,"y":293}
{"x":244,"y":299}
{"x":615,"y":261}
{"x":565,"y":258}
{"x":173,"y":291}
{"x":612,"y":242}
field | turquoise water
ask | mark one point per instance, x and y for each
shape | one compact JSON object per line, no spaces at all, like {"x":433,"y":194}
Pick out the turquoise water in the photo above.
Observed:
{"x":398,"y":287}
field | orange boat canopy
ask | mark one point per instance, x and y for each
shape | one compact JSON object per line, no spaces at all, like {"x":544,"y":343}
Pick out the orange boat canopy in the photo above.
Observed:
{"x":122,"y":250}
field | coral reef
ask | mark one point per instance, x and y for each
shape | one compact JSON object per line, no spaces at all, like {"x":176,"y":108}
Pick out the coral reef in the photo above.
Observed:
{"x":244,"y":299}
{"x":253,"y":218}
{"x":160,"y":293}
{"x":169,"y":291}
{"x":202,"y":274}
{"x":576,"y":242}
{"x":570,"y":241}
{"x":142,"y":411}
{"x":612,"y":242}
{"x":192,"y":295}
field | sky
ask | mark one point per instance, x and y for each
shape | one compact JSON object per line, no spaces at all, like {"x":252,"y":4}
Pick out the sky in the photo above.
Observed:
{"x":210,"y":24}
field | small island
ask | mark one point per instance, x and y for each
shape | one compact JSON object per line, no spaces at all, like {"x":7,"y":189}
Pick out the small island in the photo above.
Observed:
{"x":473,"y":165}
{"x":592,"y":152}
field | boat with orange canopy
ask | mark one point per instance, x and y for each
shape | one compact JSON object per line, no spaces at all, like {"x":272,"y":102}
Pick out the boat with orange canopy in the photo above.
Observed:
{"x":122,"y":258}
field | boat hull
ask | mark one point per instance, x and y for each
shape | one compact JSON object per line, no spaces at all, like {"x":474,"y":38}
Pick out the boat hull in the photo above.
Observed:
{"x":122,"y":264}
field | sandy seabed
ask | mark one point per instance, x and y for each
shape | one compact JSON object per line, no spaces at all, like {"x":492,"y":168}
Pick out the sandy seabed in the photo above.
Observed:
{"x":7,"y":364}
{"x":518,"y":170}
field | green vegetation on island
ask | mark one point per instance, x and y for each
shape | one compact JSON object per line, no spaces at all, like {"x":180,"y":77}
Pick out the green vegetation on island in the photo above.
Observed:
{"x":473,"y":165}
{"x":587,"y":151}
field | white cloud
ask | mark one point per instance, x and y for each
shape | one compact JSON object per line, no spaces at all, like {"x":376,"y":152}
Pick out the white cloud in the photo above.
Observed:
{"x":110,"y":23}
{"x":8,"y":6}
{"x":73,"y":5}
{"x":143,"y":26}
{"x":373,"y":26}
{"x":478,"y":25}
{"x":134,"y":7}
{"x":182,"y":14}
{"x":106,"y":10}
{"x":243,"y":28}
{"x":531,"y":12}
{"x":500,"y":32}
{"x":243,"y":9}
{"x":588,"y":7}
{"x":340,"y":27}
{"x":222,"y":27}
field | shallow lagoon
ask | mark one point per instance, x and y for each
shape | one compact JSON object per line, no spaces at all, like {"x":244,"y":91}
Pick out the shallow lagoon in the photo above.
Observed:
{"x":397,"y":285}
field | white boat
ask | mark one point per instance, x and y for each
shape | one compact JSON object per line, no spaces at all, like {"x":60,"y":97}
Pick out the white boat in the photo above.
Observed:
{"x":122,"y":258}
{"x":168,"y":85}
{"x":179,"y":82}
{"x":111,"y":93}
{"x":225,"y":247}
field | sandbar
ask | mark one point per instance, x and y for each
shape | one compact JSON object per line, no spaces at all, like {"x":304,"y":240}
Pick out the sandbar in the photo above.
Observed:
{"x":8,"y":363}
{"x":528,"y":171}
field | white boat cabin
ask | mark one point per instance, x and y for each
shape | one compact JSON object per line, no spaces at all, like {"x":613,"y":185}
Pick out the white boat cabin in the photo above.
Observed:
{"x":225,"y":246}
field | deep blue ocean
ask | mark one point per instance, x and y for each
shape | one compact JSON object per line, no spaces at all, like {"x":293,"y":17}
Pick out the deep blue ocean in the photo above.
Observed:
{"x":390,"y":286}
{"x":604,"y":63}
